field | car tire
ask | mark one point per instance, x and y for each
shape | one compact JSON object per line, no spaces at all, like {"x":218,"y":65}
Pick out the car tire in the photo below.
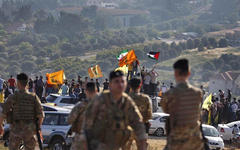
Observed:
{"x":57,"y":144}
{"x":159,"y":132}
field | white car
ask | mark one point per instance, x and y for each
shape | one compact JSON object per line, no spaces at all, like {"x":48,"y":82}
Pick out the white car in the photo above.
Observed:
{"x":215,"y":142}
{"x":158,"y":124}
{"x":225,"y":130}
{"x":61,"y":100}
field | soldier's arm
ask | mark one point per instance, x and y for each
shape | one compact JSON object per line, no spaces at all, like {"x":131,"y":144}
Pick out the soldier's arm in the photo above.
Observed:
{"x":149,"y":109}
{"x":7,"y":106}
{"x":136,"y":121}
{"x":164,"y":103}
{"x":39,"y":111}
{"x":76,"y":111}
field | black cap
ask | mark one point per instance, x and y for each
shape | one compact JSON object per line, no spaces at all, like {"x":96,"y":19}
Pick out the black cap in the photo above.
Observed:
{"x":115,"y":74}
{"x":182,"y":65}
{"x":22,"y":77}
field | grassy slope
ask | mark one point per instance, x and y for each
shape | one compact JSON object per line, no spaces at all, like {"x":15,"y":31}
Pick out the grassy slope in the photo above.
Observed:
{"x":196,"y":59}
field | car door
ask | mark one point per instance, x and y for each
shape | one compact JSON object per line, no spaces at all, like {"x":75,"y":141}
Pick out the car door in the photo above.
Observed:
{"x":63,"y":125}
{"x":49,"y":125}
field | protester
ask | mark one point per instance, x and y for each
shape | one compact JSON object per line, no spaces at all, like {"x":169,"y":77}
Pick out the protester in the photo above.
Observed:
{"x":35,"y":84}
{"x":48,"y":87}
{"x":80,"y":82}
{"x":171,"y":86}
{"x":1,"y":90}
{"x":77,"y":91}
{"x":40,"y":87}
{"x":229,"y":96}
{"x":65,"y":88}
{"x":12,"y":83}
{"x":105,"y":85}
{"x":98,"y":85}
{"x":153,"y":82}
{"x":235,"y":132}
{"x":163,"y":88}
{"x":30,"y":85}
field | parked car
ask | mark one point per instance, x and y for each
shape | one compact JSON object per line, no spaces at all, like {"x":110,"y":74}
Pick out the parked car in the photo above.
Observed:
{"x":54,"y":129}
{"x":215,"y":142}
{"x":225,"y":130}
{"x":62,"y":101}
{"x":158,"y":124}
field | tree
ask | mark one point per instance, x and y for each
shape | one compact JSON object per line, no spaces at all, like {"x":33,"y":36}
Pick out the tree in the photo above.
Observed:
{"x":213,"y":42}
{"x":204,"y":41}
{"x":197,"y":43}
{"x":28,"y":66}
{"x":200,"y":48}
{"x":24,"y":12}
{"x":190,"y":44}
{"x":225,"y":10}
{"x":223,"y":43}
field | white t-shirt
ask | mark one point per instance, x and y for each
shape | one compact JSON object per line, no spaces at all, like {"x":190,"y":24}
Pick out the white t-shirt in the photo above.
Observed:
{"x":234,"y":107}
{"x":164,"y":89}
{"x":147,"y":79}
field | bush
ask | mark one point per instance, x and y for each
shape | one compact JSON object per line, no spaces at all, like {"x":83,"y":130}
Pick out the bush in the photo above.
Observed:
{"x":223,"y":43}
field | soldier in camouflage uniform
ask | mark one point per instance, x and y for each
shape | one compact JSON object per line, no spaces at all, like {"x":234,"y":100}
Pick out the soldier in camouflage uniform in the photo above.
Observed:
{"x":77,"y":115}
{"x":144,"y":105}
{"x":183,"y":104}
{"x":112,"y":116}
{"x":21,"y":110}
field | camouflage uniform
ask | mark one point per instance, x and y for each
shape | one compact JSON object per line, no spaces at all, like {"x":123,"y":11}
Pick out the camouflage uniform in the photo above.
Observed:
{"x":183,"y":104}
{"x":21,"y":111}
{"x":76,"y":119}
{"x":144,"y":105}
{"x":108,"y":123}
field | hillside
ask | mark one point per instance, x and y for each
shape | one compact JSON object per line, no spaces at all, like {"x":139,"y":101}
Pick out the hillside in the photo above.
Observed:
{"x":197,"y":61}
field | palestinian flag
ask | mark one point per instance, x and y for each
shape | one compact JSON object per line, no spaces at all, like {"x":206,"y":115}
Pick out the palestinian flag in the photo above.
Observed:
{"x":122,"y":54}
{"x":153,"y":55}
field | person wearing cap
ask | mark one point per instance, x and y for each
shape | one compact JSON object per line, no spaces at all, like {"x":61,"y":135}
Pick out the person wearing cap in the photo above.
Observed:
{"x":21,"y":110}
{"x":183,"y":104}
{"x":111,"y":118}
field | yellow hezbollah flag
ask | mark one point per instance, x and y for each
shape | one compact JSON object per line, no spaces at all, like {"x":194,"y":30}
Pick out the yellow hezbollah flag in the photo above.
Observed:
{"x":95,"y":72}
{"x":124,"y":69}
{"x":56,"y":77}
{"x":128,"y":59}
{"x":207,"y":103}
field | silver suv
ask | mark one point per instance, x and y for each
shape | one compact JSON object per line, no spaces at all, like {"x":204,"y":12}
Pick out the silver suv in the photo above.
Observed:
{"x":54,"y":129}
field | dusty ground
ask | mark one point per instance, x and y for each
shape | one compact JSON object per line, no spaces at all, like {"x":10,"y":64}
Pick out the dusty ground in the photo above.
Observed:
{"x":154,"y":142}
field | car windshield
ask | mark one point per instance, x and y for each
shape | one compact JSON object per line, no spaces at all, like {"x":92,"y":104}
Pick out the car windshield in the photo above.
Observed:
{"x":51,"y":98}
{"x":230,"y":125}
{"x":155,"y":117}
{"x":210,"y":132}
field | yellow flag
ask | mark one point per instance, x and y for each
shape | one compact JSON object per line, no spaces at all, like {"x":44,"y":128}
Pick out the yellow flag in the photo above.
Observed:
{"x":124,"y":69}
{"x":128,"y":59}
{"x":55,"y":77}
{"x":95,"y":72}
{"x":207,"y":103}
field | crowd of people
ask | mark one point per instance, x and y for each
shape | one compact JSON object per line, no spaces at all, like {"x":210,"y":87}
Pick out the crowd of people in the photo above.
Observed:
{"x":73,"y":88}
{"x":224,"y":109}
